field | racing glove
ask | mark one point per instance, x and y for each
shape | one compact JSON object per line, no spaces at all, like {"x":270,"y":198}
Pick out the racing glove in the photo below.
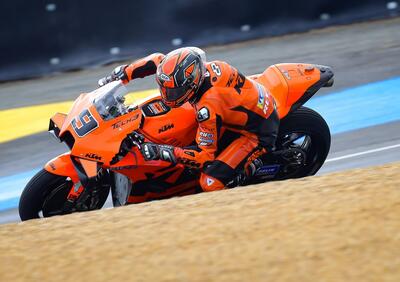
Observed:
{"x":152,"y":151}
{"x":117,"y":74}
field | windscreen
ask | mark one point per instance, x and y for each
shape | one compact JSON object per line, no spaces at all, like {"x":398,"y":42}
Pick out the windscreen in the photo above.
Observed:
{"x":110,"y":100}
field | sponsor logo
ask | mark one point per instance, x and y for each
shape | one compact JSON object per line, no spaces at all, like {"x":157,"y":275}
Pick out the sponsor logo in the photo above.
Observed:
{"x":263,"y":102}
{"x":93,"y":156}
{"x":164,"y":77}
{"x":206,"y":138}
{"x":203,"y":114}
{"x":121,"y":123}
{"x":240,"y":80}
{"x":266,"y":106}
{"x":267,"y":170}
{"x":261,"y":97}
{"x":230,"y":80}
{"x":166,"y":127}
{"x":204,"y":144}
{"x":190,"y":163}
{"x":206,"y":134}
{"x":123,"y":167}
{"x":231,"y":77}
{"x":203,"y":139}
{"x":157,"y":108}
{"x":154,"y":109}
{"x":209,"y":181}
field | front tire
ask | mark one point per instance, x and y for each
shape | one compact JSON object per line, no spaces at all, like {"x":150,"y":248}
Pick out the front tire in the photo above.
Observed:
{"x":45,"y":196}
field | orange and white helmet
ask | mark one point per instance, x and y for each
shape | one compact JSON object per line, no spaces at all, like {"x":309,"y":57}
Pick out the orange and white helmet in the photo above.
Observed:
{"x":180,"y":75}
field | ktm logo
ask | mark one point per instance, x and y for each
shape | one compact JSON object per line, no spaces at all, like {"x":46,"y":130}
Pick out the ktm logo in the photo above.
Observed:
{"x":93,"y":156}
{"x":166,"y":127}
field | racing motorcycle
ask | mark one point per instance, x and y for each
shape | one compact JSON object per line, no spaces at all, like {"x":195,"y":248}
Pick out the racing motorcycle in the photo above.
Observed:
{"x":103,"y":156}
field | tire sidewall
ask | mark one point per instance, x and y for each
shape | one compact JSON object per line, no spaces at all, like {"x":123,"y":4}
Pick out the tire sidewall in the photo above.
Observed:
{"x":35,"y":192}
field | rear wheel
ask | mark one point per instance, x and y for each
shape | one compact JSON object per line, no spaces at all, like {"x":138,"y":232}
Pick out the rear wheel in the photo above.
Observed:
{"x":46,"y":194}
{"x":304,"y":140}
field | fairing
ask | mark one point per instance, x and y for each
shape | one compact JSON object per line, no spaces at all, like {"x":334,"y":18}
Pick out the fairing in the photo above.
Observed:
{"x":293,"y":84}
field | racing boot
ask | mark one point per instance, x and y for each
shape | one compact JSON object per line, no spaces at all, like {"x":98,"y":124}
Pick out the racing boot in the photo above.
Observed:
{"x":247,"y":174}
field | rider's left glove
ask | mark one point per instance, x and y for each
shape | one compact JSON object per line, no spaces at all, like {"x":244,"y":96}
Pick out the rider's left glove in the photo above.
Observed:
{"x":117,"y":74}
{"x":152,"y":151}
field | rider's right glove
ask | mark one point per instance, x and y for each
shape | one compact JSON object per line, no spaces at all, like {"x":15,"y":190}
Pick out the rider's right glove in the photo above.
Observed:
{"x":117,"y":74}
{"x":152,"y":151}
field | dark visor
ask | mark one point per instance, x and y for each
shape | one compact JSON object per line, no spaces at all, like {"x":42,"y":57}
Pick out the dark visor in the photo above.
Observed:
{"x":174,"y":94}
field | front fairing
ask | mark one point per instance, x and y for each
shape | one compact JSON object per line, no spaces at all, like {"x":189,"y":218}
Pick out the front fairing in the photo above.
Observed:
{"x":98,"y":122}
{"x":108,"y":101}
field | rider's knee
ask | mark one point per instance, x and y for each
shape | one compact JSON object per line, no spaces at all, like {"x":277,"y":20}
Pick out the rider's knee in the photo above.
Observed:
{"x":209,"y":183}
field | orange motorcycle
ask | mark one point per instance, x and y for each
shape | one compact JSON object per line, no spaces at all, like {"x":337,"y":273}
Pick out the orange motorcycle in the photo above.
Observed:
{"x":103,"y":155}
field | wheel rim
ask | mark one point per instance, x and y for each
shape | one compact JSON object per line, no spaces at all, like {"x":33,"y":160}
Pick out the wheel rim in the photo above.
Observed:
{"x":302,"y":150}
{"x":54,"y":201}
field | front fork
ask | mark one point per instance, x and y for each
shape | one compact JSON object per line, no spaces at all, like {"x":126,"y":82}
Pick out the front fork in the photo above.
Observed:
{"x":87,"y":178}
{"x":84,"y":198}
{"x":75,"y":192}
{"x":88,"y":192}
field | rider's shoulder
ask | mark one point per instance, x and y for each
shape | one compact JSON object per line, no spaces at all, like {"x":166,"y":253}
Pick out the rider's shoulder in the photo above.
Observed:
{"x":219,"y":72}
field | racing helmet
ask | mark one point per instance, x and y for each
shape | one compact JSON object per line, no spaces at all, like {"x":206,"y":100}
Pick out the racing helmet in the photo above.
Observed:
{"x":180,"y":75}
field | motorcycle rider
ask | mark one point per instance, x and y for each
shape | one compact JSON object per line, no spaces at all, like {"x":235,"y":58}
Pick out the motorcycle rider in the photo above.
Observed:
{"x":226,"y":103}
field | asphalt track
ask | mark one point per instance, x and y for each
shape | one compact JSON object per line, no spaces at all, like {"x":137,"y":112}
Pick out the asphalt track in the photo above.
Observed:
{"x":359,"y":54}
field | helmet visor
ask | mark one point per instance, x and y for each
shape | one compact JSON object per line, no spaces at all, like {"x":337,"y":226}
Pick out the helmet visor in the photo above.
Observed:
{"x":174,"y":94}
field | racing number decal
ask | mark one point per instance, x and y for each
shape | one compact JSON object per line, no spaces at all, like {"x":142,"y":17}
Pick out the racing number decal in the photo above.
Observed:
{"x":84,"y":124}
{"x":216,"y":69}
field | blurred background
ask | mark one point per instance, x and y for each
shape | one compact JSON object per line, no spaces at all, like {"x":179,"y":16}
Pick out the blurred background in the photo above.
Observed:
{"x":51,"y":51}
{"x":39,"y":37}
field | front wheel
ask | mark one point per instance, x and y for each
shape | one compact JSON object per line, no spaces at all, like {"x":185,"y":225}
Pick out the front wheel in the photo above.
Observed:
{"x":45,"y":195}
{"x":304,"y":140}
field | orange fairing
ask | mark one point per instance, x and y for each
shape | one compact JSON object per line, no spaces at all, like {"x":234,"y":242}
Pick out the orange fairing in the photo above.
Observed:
{"x":176,"y":127}
{"x":292,"y":84}
{"x":98,"y":138}
{"x":62,"y":165}
{"x":90,"y":167}
{"x":58,"y":119}
{"x":99,"y":121}
{"x":103,"y":142}
{"x":276,"y":84}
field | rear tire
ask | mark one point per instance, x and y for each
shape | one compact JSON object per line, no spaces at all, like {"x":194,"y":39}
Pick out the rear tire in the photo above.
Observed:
{"x":310,"y":126}
{"x":47,"y":192}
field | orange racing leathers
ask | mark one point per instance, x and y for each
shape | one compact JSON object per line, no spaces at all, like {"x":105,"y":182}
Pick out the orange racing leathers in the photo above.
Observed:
{"x":230,"y":109}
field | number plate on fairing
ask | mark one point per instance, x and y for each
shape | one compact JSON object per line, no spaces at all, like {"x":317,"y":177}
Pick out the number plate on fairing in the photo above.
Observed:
{"x":84,"y":124}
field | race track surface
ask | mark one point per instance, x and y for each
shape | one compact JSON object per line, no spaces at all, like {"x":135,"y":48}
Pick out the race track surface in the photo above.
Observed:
{"x":338,"y":227}
{"x":359,"y":54}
